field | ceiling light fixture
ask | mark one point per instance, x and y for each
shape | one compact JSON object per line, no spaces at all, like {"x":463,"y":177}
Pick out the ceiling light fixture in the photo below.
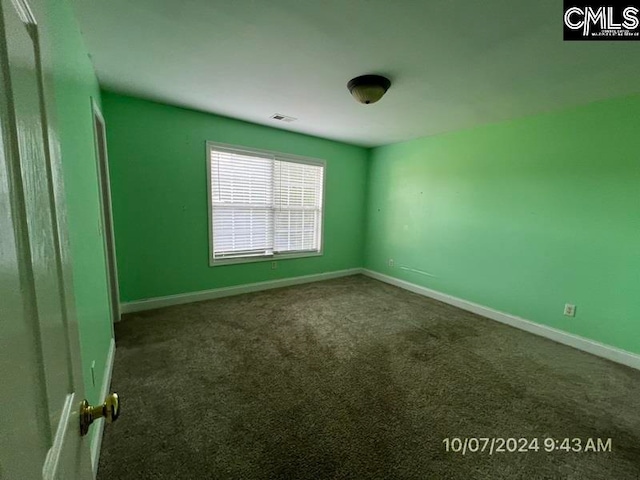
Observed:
{"x":368,"y":88}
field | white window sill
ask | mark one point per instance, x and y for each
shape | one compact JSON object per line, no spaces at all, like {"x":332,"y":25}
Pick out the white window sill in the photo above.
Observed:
{"x":262,"y":258}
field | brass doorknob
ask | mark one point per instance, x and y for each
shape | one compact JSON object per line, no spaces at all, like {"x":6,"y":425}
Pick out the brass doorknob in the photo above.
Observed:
{"x":110,"y":410}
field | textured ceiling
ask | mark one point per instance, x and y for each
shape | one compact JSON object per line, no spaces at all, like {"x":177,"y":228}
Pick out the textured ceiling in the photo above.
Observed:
{"x":454,"y":64}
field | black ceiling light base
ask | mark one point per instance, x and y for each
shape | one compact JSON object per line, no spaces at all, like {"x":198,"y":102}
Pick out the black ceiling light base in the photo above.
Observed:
{"x":368,"y":89}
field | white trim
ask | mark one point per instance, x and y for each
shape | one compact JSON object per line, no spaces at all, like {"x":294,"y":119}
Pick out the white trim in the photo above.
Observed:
{"x":52,"y":462}
{"x":159,"y":302}
{"x":106,"y":212}
{"x":274,"y":257}
{"x":590,"y":346}
{"x":98,"y":426}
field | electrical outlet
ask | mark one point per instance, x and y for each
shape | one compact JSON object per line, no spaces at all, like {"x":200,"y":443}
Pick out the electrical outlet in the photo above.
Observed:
{"x":274,"y":265}
{"x":570,"y":310}
{"x":391,"y":263}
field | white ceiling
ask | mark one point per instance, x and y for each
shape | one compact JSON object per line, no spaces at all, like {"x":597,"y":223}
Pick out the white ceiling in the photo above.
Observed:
{"x":453,"y":63}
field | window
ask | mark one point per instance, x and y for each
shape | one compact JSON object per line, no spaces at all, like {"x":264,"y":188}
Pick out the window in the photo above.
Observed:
{"x":263,"y":205}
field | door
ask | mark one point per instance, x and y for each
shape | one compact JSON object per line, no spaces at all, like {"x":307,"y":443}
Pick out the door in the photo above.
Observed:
{"x":100,"y":136}
{"x":40,"y":377}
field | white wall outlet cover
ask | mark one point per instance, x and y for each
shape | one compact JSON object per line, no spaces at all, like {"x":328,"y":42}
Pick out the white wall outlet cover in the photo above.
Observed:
{"x":391,"y":263}
{"x":570,"y":310}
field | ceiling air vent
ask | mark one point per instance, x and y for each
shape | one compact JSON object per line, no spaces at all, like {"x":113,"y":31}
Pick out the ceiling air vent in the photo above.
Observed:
{"x":283,"y":118}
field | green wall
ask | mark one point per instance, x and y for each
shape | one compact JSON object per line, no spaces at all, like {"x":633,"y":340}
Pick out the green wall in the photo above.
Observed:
{"x":74,"y":85}
{"x":159,"y":187}
{"x":522,"y":217}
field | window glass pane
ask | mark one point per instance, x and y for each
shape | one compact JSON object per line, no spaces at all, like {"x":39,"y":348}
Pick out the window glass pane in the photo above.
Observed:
{"x":242,"y":203}
{"x":298,"y":185}
{"x":242,"y":230}
{"x":262,"y":204}
{"x":241,"y":179}
{"x":295,"y":230}
{"x":298,"y":206}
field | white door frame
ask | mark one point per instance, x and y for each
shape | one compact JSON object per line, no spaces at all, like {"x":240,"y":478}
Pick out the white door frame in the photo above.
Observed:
{"x":102,"y":166}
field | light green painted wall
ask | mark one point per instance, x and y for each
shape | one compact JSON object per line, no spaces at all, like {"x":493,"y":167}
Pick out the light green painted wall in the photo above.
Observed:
{"x":74,"y":85}
{"x":522,"y":217}
{"x":159,"y":187}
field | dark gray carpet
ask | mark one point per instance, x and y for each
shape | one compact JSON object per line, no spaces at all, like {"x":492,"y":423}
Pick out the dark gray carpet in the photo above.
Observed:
{"x":355,"y":379}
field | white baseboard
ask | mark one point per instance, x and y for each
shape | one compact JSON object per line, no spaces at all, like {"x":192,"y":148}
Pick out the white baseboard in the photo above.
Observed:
{"x":590,"y":346}
{"x":98,"y":426}
{"x":605,"y":351}
{"x":159,"y":302}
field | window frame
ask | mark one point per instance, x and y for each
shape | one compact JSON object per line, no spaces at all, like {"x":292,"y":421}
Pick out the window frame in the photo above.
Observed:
{"x":287,"y":157}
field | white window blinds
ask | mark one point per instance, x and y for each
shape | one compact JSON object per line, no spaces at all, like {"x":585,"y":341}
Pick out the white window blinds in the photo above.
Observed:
{"x":263,"y":204}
